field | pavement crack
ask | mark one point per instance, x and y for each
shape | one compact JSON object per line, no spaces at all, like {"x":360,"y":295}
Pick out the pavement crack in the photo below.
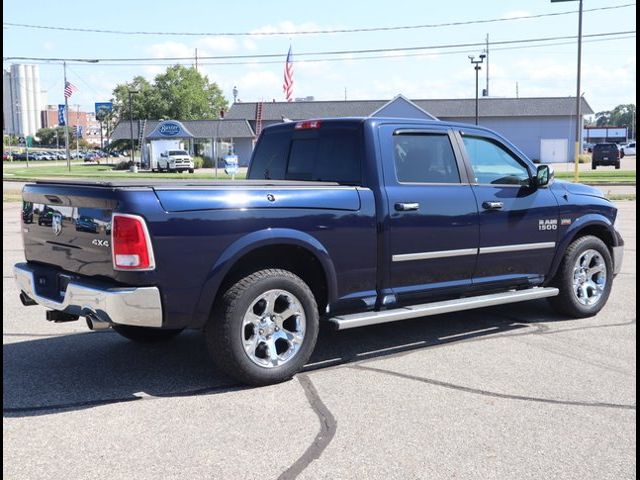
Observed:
{"x":327,"y":431}
{"x":488,"y":393}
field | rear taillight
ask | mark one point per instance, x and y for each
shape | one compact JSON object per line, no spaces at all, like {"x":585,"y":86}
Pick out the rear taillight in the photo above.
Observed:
{"x":130,"y":243}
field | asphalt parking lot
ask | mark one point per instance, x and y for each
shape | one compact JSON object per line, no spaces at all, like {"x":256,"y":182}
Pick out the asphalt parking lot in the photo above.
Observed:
{"x":513,"y":392}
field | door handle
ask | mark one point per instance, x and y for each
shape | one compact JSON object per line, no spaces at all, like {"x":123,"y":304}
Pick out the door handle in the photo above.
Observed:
{"x":405,"y":207}
{"x":492,"y":205}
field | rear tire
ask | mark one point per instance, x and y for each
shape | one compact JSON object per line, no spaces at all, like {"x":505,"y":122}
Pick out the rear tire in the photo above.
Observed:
{"x":593,"y":165}
{"x":191,"y":170}
{"x":264,"y":328}
{"x":146,"y":334}
{"x":618,"y":166}
{"x":583,"y":294}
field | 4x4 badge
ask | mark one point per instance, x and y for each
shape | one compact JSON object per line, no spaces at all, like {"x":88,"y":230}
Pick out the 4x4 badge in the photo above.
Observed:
{"x":56,"y":224}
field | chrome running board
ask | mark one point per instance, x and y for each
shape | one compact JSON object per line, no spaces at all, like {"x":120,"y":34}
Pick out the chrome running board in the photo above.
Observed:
{"x":354,"y":320}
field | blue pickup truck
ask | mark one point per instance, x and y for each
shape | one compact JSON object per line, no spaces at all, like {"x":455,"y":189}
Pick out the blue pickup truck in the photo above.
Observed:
{"x":349,"y":222}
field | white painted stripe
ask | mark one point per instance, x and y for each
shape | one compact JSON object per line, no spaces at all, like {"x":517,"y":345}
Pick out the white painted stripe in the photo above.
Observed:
{"x":405,"y":257}
{"x":517,"y":247}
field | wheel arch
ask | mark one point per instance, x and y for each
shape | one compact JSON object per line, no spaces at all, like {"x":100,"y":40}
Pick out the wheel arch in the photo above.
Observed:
{"x":287,"y":249}
{"x":597,"y":225}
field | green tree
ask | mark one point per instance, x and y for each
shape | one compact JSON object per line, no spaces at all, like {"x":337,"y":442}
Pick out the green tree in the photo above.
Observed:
{"x":621,"y":116}
{"x":181,"y":93}
{"x":47,"y":136}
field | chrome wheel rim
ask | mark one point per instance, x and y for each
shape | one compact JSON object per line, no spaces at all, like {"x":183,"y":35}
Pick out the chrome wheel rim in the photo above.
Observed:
{"x":273,"y":328}
{"x":589,"y":277}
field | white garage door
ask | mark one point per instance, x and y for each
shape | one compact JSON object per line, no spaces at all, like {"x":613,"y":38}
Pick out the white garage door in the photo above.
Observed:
{"x":554,"y":150}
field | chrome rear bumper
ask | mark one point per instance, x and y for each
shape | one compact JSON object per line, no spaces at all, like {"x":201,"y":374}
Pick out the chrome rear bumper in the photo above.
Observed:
{"x":125,"y":306}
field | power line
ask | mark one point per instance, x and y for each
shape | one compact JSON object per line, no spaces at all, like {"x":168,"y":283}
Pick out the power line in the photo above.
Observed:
{"x":334,"y":52}
{"x":309,"y":32}
{"x":368,"y":57}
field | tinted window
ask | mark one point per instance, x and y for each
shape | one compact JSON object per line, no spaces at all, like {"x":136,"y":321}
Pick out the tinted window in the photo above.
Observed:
{"x":605,"y":147}
{"x":493,"y":164}
{"x":329,"y":153}
{"x":425,"y":158}
{"x":178,"y":152}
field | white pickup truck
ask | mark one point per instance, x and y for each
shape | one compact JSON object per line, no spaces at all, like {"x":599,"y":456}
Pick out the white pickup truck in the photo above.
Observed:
{"x":175,"y":161}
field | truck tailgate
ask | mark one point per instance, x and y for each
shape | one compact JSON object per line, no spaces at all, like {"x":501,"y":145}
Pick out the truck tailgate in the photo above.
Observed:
{"x":69,"y":227}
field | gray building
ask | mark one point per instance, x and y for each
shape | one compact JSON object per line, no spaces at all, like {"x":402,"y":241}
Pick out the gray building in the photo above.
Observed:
{"x":211,"y":137}
{"x":543,"y":128}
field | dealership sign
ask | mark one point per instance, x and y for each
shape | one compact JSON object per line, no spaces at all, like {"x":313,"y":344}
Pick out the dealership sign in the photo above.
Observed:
{"x":170,"y":129}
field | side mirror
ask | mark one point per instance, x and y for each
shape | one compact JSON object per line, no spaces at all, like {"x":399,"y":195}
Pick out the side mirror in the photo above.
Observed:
{"x":544,"y":175}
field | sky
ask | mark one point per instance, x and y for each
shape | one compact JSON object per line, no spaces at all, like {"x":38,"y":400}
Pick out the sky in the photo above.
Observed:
{"x":531,"y":70}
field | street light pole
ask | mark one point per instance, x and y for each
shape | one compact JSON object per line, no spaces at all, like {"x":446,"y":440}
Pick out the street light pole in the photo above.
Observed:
{"x":476,"y":64}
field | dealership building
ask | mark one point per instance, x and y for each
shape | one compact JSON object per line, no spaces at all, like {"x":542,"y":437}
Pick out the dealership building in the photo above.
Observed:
{"x":543,"y":128}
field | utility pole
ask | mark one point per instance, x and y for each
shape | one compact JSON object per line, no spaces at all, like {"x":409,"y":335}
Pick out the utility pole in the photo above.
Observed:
{"x":486,"y":51}
{"x":578,"y":100}
{"x":196,"y":59}
{"x":131,"y":92}
{"x":578,"y":148}
{"x":78,"y":132}
{"x":66,"y":119}
{"x":517,"y":91}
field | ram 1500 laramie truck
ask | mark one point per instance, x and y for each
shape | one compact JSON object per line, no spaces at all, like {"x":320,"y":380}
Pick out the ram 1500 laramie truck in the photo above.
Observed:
{"x":351,"y":222}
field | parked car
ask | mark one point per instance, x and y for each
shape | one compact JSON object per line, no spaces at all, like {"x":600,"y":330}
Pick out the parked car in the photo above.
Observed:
{"x":175,"y":161}
{"x":605,"y":154}
{"x":86,"y":224}
{"x":629,"y":148}
{"x":348,"y":222}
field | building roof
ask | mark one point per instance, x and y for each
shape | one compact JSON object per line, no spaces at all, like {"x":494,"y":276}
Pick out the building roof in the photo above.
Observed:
{"x":445,"y":108}
{"x":226,"y":128}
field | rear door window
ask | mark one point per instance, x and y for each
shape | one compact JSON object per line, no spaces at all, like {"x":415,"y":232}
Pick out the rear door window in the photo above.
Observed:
{"x":425,"y":158}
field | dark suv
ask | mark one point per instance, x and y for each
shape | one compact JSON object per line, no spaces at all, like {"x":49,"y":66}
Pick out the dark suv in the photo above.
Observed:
{"x":605,"y":154}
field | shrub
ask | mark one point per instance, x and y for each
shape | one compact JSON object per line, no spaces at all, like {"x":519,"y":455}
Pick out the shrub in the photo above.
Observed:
{"x":198,"y":162}
{"x":124,"y":165}
{"x":207,"y":162}
{"x":584,"y":158}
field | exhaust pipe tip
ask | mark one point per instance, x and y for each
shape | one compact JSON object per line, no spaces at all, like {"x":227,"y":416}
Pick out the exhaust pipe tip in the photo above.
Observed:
{"x":94,"y":323}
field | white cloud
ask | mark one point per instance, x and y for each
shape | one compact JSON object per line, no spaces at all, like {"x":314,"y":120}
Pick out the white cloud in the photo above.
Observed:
{"x":171,"y":49}
{"x":218,"y":44}
{"x":287,"y":26}
{"x":249,"y":44}
{"x":515,"y":14}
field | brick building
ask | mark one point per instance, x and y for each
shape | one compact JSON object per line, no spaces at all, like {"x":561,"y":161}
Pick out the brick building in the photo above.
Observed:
{"x":87,"y":120}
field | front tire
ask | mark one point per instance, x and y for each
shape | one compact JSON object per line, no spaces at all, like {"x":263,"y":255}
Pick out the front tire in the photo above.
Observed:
{"x":593,"y":165}
{"x":584,"y":278}
{"x":264,"y":328}
{"x":146,"y":334}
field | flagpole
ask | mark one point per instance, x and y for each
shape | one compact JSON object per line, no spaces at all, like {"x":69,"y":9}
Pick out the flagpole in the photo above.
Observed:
{"x":66,"y":119}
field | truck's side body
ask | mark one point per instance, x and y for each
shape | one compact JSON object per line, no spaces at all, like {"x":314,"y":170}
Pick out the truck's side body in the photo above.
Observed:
{"x":377,"y":241}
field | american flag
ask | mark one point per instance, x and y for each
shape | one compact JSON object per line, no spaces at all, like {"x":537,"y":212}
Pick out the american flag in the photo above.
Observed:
{"x":69,"y":88}
{"x":287,"y":86}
